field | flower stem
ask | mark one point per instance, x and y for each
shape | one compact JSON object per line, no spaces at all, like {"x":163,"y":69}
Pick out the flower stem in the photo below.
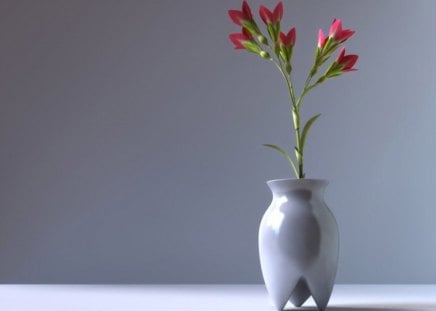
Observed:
{"x":294,"y":112}
{"x":295,"y":109}
{"x":299,"y":148}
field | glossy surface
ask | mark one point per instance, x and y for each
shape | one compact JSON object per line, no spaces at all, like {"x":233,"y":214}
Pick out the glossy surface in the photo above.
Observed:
{"x":298,"y":243}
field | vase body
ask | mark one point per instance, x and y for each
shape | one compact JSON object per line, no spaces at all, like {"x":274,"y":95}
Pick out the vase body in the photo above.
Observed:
{"x":298,"y":243}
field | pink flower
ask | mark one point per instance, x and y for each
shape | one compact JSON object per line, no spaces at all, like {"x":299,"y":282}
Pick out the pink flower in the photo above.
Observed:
{"x":321,"y":39}
{"x":243,"y":16}
{"x":289,"y":39}
{"x":337,"y":33}
{"x":238,"y":39}
{"x":346,"y":62}
{"x":269,"y":17}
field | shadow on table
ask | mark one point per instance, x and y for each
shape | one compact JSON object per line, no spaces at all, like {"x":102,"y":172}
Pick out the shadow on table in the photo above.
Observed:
{"x":387,"y":307}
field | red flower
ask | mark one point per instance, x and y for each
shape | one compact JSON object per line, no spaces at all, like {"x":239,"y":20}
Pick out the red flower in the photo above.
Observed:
{"x":269,"y":17}
{"x":289,"y":39}
{"x":321,"y":39}
{"x":239,"y":39}
{"x":247,"y":10}
{"x":243,"y":16}
{"x":337,"y":33}
{"x":346,"y":62}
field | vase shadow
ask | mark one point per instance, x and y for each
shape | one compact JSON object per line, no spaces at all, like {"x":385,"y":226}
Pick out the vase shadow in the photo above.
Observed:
{"x":386,"y":307}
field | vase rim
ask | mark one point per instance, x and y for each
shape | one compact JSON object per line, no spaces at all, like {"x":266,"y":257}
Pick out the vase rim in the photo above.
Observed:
{"x":290,"y":184}
{"x":298,"y":180}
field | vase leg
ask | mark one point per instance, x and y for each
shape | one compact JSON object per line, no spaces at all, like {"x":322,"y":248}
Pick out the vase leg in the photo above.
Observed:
{"x":321,"y":292}
{"x":300,"y":294}
{"x":280,"y":292}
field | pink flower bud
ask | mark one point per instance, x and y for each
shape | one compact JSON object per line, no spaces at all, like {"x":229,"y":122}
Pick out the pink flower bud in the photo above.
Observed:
{"x":247,"y":10}
{"x":243,"y":16}
{"x":346,"y":62}
{"x":240,"y":39}
{"x":321,"y":39}
{"x":269,"y":17}
{"x":290,"y":38}
{"x":337,"y":33}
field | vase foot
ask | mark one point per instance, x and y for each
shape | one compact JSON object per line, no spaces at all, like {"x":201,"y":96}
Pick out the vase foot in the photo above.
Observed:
{"x":321,"y":292}
{"x":300,"y":294}
{"x":299,"y":291}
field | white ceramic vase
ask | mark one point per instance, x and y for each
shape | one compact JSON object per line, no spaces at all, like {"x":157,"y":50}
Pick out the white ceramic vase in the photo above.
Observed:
{"x":298,"y":243}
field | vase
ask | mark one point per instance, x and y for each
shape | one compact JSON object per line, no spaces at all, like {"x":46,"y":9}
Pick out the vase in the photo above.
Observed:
{"x":298,"y":243}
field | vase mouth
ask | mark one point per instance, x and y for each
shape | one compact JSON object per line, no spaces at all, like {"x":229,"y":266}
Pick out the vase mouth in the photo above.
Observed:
{"x":290,"y":184}
{"x":299,"y":180}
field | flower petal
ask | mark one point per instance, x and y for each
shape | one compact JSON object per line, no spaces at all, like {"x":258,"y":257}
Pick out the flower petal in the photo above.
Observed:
{"x":283,"y":38}
{"x":346,"y":62}
{"x":344,"y":35}
{"x":278,"y":12}
{"x":349,"y":61}
{"x":265,"y":14}
{"x":247,"y":33}
{"x":247,"y":10}
{"x":292,"y":36}
{"x":236,"y":16}
{"x":237,"y":39}
{"x":335,"y":28}
{"x":321,"y":39}
{"x":341,"y":56}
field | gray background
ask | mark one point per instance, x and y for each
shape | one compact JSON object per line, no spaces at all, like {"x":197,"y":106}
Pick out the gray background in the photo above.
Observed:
{"x":131,"y":132}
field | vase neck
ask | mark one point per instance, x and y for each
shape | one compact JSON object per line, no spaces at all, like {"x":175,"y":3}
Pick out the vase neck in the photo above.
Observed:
{"x":303,"y":187}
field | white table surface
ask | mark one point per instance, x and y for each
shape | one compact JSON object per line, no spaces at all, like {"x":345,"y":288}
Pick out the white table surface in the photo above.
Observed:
{"x":205,"y":298}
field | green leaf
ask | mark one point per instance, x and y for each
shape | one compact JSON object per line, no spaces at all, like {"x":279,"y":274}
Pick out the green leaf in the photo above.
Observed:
{"x":277,"y":29}
{"x":332,"y":68}
{"x":284,"y":54}
{"x":306,"y":129}
{"x":271,"y":32}
{"x":290,"y":52}
{"x":317,"y":54}
{"x":327,"y":44}
{"x":335,"y":74}
{"x":287,"y":156}
{"x":262,"y":39}
{"x":251,"y":47}
{"x":249,"y":26}
{"x":277,"y":50}
{"x":288,"y":68}
{"x":264,"y":55}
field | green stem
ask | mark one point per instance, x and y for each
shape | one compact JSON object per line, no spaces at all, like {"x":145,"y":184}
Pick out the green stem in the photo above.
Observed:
{"x":299,"y":148}
{"x":295,"y":107}
{"x":294,"y":112}
{"x":287,"y":81}
{"x":306,"y":87}
{"x":298,"y":153}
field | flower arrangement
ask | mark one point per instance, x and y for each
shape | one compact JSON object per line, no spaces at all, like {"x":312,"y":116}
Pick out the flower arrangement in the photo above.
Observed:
{"x":278,"y":48}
